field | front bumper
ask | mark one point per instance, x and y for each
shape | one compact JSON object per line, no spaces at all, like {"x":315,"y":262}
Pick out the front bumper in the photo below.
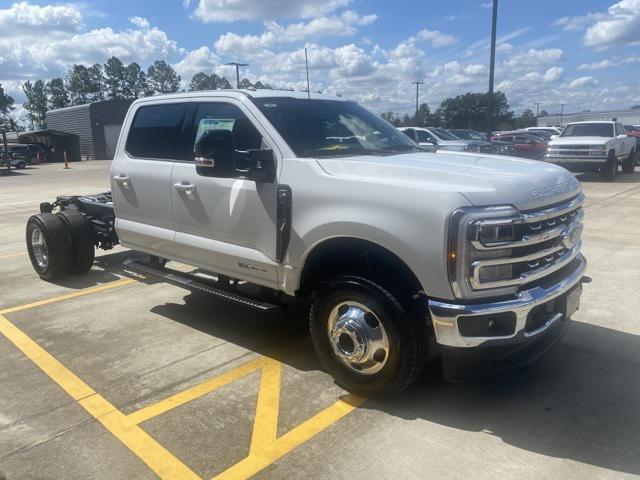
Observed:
{"x":541,"y":319}
{"x":446,"y":316}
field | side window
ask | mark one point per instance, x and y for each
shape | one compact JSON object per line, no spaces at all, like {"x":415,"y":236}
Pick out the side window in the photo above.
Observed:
{"x":411,"y":133}
{"x":155,"y":131}
{"x":224,"y":116}
{"x":424,"y":137}
{"x":506,"y":139}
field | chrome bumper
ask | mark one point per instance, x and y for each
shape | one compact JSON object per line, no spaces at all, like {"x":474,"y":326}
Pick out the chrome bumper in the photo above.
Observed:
{"x":445,"y":315}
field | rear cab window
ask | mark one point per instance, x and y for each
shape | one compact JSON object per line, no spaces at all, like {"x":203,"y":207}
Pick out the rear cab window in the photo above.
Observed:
{"x":156,"y":131}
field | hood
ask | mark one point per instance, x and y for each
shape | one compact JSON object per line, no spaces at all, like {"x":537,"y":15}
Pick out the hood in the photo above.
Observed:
{"x":482,"y":179}
{"x":580,"y":140}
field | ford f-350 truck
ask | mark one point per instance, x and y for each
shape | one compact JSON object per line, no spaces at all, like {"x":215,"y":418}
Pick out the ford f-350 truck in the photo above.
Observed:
{"x":402,"y":253}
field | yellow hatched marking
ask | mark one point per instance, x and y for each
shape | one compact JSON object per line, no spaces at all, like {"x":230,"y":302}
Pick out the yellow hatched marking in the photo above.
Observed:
{"x":154,"y":455}
{"x":265,"y":424}
{"x":80,"y":293}
{"x":194,"y":392}
{"x":265,"y":456}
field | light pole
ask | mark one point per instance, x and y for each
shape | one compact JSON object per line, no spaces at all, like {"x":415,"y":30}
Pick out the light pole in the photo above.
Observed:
{"x":417,"y":84}
{"x":237,"y":65}
{"x":492,"y":65}
{"x":562,"y":113}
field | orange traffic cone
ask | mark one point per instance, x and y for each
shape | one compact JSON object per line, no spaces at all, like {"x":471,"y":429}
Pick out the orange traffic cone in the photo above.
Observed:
{"x":66,"y":160}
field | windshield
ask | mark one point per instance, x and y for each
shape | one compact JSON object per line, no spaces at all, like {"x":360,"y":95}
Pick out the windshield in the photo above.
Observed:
{"x":443,"y":134}
{"x":461,"y":134}
{"x":588,"y":130}
{"x":331,"y":128}
{"x":476,"y":135}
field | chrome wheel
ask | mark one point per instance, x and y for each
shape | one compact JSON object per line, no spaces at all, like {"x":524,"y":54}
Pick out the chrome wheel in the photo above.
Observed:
{"x":358,"y":338}
{"x":39,"y":247}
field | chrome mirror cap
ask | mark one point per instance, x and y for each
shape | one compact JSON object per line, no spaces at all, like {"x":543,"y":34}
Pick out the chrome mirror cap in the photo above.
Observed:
{"x":205,"y":162}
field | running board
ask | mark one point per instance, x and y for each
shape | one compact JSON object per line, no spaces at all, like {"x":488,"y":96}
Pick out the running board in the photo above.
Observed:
{"x":189,"y":282}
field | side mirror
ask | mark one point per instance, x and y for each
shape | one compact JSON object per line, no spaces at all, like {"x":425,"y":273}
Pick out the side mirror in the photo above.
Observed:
{"x":214,"y":154}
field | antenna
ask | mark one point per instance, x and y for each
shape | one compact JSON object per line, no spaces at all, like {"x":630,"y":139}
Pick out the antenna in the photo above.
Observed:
{"x":306,"y":62}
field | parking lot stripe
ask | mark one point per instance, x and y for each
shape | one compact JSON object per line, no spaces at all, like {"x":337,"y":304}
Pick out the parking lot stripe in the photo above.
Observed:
{"x":265,"y":425}
{"x":80,"y":293}
{"x":194,"y":392}
{"x":154,"y":455}
{"x":265,"y":456}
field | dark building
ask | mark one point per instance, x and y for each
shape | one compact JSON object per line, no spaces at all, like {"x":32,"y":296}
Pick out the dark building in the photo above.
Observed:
{"x":97,"y":125}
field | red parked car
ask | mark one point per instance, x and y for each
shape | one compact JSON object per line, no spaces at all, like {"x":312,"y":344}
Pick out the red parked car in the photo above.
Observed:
{"x":526,"y":145}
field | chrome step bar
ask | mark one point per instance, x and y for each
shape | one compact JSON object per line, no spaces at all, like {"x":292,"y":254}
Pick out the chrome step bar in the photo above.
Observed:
{"x":190,"y":282}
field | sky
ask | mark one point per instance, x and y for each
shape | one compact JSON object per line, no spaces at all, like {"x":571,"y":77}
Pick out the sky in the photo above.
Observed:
{"x":584,"y":53}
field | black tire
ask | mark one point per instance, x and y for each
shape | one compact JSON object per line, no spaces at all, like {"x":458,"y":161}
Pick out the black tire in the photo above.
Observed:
{"x":610,"y":171}
{"x":157,"y":262}
{"x":407,"y":338}
{"x":629,"y":165}
{"x":57,"y":243}
{"x":21,"y":165}
{"x":82,"y":245}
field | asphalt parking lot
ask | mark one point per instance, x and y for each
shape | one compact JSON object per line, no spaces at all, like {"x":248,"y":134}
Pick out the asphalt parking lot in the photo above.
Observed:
{"x":111,"y":375}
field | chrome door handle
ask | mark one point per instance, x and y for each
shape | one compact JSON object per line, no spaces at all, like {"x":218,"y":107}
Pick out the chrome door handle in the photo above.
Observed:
{"x":122,"y":180}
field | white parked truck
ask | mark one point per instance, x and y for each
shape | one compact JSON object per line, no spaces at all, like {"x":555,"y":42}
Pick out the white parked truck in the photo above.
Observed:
{"x":401,"y":253}
{"x":594,"y":146}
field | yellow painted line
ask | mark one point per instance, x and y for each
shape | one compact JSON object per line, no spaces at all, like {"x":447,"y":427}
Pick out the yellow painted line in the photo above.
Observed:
{"x":194,"y":392}
{"x":11,"y":255}
{"x":80,"y":293}
{"x":262,"y":458}
{"x":265,"y":425}
{"x":157,"y":458}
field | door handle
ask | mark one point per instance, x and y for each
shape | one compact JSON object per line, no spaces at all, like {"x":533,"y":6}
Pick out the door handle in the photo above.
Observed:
{"x":122,"y":180}
{"x":187,"y":188}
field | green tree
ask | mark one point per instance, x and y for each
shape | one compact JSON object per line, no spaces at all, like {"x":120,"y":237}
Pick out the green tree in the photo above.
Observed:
{"x":115,"y":78}
{"x":162,"y":78}
{"x":57,"y":94}
{"x":543,"y":113}
{"x":202,"y":81}
{"x":422,"y":118}
{"x":526,"y":119}
{"x":245,"y":83}
{"x":471,"y":111}
{"x":6,"y":102}
{"x":36,"y":103}
{"x":391,"y":117}
{"x":85,"y":84}
{"x":262,"y":86}
{"x":136,"y":85}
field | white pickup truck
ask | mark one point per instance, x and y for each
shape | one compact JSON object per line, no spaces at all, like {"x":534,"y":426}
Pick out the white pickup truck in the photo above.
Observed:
{"x":594,"y":146}
{"x":401,"y":253}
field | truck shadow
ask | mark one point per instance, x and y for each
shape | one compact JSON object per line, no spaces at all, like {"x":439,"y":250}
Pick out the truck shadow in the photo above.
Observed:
{"x":622,"y":178}
{"x":582,"y":402}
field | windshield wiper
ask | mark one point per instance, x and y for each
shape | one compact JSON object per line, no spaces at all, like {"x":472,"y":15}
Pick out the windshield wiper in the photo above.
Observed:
{"x":401,"y":148}
{"x":346,"y":152}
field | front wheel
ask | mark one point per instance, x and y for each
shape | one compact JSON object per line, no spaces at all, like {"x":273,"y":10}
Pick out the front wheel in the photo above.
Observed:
{"x":610,"y":171}
{"x":365,"y":338}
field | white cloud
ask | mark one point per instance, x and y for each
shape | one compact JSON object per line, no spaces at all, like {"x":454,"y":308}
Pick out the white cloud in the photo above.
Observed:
{"x":583,"y":82}
{"x":620,"y":27}
{"x":25,"y":19}
{"x":533,"y":58}
{"x":235,"y":10}
{"x":434,"y":37}
{"x":199,"y":60}
{"x":255,"y":46}
{"x":610,"y":63}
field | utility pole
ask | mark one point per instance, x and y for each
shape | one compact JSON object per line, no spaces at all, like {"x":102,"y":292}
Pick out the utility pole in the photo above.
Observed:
{"x":562,"y":113}
{"x":538,"y":109}
{"x":492,"y":65}
{"x":237,"y":65}
{"x":417,"y":84}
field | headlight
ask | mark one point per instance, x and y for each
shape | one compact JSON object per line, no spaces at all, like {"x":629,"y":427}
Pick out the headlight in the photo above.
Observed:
{"x":470,"y":231}
{"x":601,"y":150}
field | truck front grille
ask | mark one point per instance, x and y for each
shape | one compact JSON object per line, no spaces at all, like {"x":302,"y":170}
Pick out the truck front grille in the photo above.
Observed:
{"x":544,"y":242}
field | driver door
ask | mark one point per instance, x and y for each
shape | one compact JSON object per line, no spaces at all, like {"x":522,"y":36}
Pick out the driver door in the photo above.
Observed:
{"x":225,"y":225}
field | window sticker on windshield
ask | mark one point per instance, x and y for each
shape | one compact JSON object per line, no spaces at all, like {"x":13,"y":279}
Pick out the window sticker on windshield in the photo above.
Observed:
{"x":214,"y":124}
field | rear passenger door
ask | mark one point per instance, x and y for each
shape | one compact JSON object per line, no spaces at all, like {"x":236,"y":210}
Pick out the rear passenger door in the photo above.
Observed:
{"x":141,"y":176}
{"x":225,"y":225}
